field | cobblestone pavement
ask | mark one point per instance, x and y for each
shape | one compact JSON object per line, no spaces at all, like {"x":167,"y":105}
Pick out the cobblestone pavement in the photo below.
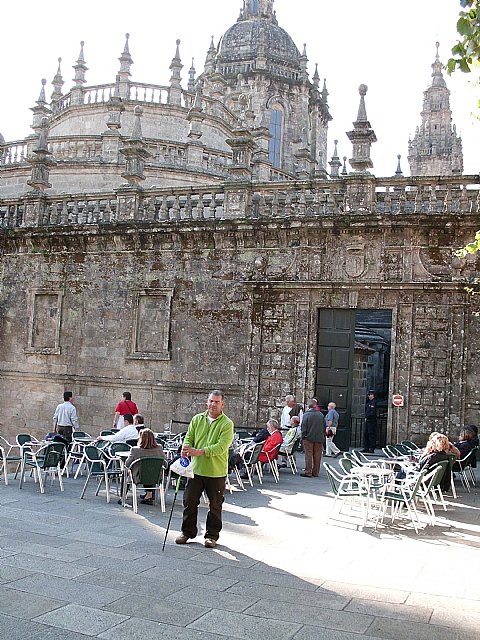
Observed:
{"x":73,"y":569}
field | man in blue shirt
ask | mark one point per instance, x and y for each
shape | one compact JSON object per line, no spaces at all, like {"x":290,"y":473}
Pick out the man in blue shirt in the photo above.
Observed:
{"x":331,"y":424}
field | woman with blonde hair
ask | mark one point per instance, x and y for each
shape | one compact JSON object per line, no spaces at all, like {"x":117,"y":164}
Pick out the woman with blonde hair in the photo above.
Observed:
{"x":437,"y":450}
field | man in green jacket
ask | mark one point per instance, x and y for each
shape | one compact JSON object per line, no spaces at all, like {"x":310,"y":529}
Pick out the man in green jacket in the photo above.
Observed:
{"x":208,"y":439}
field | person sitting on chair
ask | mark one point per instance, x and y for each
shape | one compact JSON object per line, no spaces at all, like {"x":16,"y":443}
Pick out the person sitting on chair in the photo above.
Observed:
{"x":465,"y":444}
{"x":437,"y":450}
{"x":147,"y":447}
{"x":126,"y":433}
{"x":271,"y":443}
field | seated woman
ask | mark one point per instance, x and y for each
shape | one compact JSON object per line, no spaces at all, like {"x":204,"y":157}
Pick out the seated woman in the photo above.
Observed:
{"x":271,"y":443}
{"x":451,"y":447}
{"x":437,"y":449}
{"x":147,"y":448}
{"x":466,"y":442}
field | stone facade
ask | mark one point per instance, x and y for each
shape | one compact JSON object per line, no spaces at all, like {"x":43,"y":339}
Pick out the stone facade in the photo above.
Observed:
{"x":168,"y":259}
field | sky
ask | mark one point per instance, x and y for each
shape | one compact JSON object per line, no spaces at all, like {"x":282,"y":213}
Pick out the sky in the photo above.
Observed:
{"x":389,"y":45}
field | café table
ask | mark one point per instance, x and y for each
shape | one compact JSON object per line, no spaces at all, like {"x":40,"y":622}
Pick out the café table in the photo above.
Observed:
{"x":373,"y":478}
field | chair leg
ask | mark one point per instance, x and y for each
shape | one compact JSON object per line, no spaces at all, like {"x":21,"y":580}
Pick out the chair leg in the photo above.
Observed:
{"x":85,"y":486}
{"x":40,"y":480}
{"x":22,"y":473}
{"x":60,"y":481}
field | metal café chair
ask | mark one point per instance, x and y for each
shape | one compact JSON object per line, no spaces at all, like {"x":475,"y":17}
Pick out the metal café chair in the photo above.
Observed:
{"x":47,"y":459}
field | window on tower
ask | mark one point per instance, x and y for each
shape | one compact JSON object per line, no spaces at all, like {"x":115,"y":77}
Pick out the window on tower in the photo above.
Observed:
{"x":254,"y":6}
{"x":275,"y":142}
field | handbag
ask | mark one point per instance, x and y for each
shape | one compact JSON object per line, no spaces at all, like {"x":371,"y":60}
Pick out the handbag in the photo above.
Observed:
{"x":329,"y":433}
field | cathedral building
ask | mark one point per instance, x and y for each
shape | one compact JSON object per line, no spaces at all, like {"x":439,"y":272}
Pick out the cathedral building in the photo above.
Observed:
{"x":172,"y":239}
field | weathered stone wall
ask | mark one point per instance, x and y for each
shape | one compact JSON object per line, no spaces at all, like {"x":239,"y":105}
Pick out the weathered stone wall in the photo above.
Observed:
{"x":169,"y":311}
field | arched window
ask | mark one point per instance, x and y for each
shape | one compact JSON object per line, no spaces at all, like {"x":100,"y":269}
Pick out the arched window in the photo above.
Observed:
{"x":254,"y":6}
{"x":275,"y":142}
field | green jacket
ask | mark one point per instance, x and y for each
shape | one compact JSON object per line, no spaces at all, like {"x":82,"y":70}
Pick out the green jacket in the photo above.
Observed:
{"x":215,"y":439}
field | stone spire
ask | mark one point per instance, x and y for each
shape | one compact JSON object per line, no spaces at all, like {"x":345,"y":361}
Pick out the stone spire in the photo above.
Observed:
{"x":135,"y":152}
{"x":335,"y":163}
{"x":175,"y":91}
{"x":124,"y":73}
{"x":362,"y":137}
{"x":57,"y":83}
{"x":210,"y":59}
{"x":40,"y":110}
{"x":436,"y":149}
{"x":191,"y":77}
{"x":80,"y":71}
{"x":304,"y":62}
{"x":399,"y":171}
{"x":41,"y":160}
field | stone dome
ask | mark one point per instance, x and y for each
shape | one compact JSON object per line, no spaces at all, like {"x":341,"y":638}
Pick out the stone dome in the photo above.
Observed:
{"x":240,"y":46}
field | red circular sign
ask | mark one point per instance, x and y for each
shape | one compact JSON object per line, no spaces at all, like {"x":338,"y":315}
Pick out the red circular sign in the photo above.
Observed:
{"x":397,"y":400}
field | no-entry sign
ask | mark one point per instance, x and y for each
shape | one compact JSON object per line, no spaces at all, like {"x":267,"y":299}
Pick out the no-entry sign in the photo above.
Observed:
{"x":397,"y":400}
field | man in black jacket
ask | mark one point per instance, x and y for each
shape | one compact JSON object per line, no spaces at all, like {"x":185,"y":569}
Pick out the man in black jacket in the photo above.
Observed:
{"x":370,"y":431}
{"x":313,"y":431}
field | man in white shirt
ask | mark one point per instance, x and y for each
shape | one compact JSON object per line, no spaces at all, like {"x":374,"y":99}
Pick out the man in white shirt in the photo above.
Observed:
{"x":65,"y":419}
{"x":126,"y":433}
{"x":290,"y":410}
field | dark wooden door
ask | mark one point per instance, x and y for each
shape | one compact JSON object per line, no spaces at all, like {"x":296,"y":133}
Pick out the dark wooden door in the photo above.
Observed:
{"x":334,"y":375}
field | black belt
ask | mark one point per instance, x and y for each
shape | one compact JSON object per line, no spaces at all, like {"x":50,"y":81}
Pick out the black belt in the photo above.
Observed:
{"x":65,"y":426}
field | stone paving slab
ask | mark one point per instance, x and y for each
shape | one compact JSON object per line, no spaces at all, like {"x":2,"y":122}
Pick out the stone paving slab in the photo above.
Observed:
{"x":222,"y":599}
{"x":81,"y":619}
{"x":25,"y":605}
{"x":50,"y":567}
{"x":279,"y":571}
{"x":174,"y":611}
{"x":68,"y":590}
{"x":247,"y":627}
{"x":141,"y":629}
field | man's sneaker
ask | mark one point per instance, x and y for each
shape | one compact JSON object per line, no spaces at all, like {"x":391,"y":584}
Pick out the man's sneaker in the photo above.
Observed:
{"x":210,"y":543}
{"x":182,"y":539}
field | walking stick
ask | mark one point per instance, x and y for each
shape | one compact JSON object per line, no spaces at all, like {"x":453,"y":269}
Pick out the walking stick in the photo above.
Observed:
{"x":177,"y":486}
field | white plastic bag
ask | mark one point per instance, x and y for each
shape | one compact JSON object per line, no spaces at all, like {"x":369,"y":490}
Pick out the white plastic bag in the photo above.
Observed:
{"x":182,"y":467}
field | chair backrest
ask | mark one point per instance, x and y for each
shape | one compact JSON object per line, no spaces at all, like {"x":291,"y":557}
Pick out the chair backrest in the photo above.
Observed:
{"x":403,"y":449}
{"x":95,"y":459}
{"x":411,"y":445}
{"x":251,"y":456}
{"x":393,"y":452}
{"x":243,"y":434}
{"x":464,"y":462}
{"x":148,"y":471}
{"x":387,"y":453}
{"x":440,"y":468}
{"x":106,"y":432}
{"x":22,"y":438}
{"x":80,"y":434}
{"x":359,"y":457}
{"x":115,"y":447}
{"x":346,"y":464}
{"x":333,"y":477}
{"x":53,"y":454}
{"x":133,"y":442}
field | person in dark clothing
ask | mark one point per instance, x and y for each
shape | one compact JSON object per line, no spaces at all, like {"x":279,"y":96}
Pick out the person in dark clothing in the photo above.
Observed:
{"x":313,"y":432}
{"x":261,"y":436}
{"x":465,"y":444}
{"x":474,"y":429}
{"x":370,"y":429}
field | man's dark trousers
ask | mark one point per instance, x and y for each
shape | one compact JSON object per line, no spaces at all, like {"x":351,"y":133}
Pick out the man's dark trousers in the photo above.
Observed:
{"x":214,"y":488}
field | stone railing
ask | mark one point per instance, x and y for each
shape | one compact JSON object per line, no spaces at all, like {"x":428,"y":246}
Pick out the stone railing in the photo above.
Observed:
{"x":145,"y":93}
{"x":13,"y":152}
{"x":163,"y":153}
{"x":340,"y":198}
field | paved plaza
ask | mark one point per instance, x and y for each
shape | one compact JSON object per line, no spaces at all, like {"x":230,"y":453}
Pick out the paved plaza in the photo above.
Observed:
{"x":74,"y":569}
